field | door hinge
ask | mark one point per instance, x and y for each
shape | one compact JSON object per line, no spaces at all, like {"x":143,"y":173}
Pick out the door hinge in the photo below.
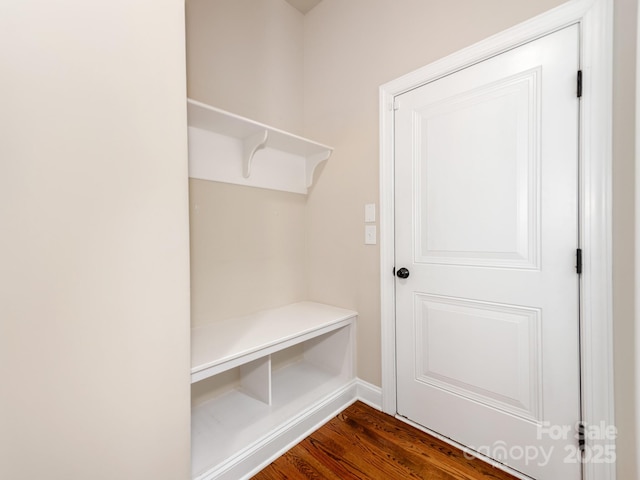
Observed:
{"x":579,"y":261}
{"x":581,"y":437}
{"x":579,"y":87}
{"x":395,"y":105}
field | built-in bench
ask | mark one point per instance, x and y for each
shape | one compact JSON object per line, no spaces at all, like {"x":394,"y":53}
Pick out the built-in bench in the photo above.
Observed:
{"x":291,"y":365}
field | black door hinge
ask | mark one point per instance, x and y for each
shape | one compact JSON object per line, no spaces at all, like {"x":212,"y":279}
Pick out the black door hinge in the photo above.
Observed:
{"x":579,"y":261}
{"x":581,"y":437}
{"x":579,"y":89}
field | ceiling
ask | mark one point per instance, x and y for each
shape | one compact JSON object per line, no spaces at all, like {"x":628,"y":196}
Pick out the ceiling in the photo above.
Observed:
{"x":304,"y":5}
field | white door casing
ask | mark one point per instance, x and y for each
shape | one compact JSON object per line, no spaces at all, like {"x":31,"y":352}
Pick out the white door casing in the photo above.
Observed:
{"x":486,"y":174}
{"x":595,"y":20}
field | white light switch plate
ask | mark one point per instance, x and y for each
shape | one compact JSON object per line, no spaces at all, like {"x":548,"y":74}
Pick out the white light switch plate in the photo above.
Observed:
{"x":370,"y":235}
{"x":370,"y":212}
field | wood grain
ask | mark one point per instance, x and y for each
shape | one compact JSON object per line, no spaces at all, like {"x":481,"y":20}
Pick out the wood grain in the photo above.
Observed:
{"x":363,"y":443}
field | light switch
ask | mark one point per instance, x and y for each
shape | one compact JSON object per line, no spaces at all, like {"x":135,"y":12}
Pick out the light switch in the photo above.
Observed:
{"x":370,"y":212}
{"x":370,"y":235}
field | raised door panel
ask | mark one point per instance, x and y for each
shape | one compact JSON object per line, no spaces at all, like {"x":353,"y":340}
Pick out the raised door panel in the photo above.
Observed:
{"x":478,"y":179}
{"x":486,"y":352}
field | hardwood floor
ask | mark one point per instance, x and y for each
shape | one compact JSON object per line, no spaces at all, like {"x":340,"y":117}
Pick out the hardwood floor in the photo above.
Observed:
{"x":363,"y":443}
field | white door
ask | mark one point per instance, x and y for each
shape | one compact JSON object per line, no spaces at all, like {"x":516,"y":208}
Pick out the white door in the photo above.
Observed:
{"x":486,"y":225}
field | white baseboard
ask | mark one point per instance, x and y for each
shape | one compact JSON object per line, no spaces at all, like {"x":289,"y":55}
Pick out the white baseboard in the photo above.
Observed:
{"x":250,"y":461}
{"x":369,"y":394}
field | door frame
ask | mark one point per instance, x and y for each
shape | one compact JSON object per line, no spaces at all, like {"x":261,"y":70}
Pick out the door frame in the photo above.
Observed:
{"x":595,"y":18}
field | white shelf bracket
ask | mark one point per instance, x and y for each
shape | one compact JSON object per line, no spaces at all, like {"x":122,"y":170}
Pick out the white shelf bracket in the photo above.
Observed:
{"x":312,"y":163}
{"x":251,"y":145}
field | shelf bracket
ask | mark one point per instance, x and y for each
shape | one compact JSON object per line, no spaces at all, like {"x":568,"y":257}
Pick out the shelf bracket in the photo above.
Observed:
{"x":312,"y":163}
{"x":251,"y":145}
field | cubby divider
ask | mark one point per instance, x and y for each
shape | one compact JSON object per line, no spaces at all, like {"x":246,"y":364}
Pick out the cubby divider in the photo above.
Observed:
{"x":226,"y":427}
{"x":255,"y":379}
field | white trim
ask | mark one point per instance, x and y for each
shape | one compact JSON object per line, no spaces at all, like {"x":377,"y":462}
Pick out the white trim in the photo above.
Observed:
{"x":387,"y":251}
{"x":369,"y":394}
{"x":280,"y":440}
{"x":595,"y":18}
{"x":596,"y":227}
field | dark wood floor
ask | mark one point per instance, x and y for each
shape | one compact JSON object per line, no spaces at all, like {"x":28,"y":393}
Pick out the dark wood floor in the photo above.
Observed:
{"x":363,"y":443}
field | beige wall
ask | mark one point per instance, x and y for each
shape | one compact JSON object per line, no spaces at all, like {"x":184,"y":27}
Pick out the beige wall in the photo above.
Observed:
{"x":248,"y":249}
{"x":623,"y":232}
{"x":245,"y":56}
{"x":94,"y":280}
{"x":248,"y":245}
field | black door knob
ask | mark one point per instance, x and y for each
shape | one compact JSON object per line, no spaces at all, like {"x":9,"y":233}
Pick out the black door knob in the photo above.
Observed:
{"x":403,"y":273}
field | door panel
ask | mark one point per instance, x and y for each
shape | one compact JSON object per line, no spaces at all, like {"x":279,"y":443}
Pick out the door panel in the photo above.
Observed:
{"x":508,"y":379}
{"x":486,"y":222}
{"x":496,"y":164}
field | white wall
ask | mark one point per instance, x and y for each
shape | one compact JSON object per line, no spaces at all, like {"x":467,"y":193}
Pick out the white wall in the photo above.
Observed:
{"x":94,"y":279}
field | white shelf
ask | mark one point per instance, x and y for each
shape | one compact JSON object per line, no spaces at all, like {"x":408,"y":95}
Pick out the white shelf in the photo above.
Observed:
{"x":223,"y":147}
{"x":224,"y":345}
{"x":235,"y":431}
{"x":227,"y":426}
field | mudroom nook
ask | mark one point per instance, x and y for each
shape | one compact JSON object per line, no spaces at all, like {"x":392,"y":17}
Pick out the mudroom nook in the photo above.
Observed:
{"x":263,"y":379}
{"x":268,"y":365}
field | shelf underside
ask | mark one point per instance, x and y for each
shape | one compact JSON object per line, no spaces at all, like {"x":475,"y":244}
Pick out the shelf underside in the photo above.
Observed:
{"x":222,"y":147}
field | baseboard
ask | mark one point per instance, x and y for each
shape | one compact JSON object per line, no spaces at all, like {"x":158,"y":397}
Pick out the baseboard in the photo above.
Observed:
{"x":369,"y":394}
{"x":250,"y":461}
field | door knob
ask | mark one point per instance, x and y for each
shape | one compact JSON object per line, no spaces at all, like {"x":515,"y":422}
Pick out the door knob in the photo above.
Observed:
{"x":402,"y":273}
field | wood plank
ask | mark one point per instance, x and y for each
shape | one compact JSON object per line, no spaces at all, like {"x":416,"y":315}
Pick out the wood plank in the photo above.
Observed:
{"x":363,"y":443}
